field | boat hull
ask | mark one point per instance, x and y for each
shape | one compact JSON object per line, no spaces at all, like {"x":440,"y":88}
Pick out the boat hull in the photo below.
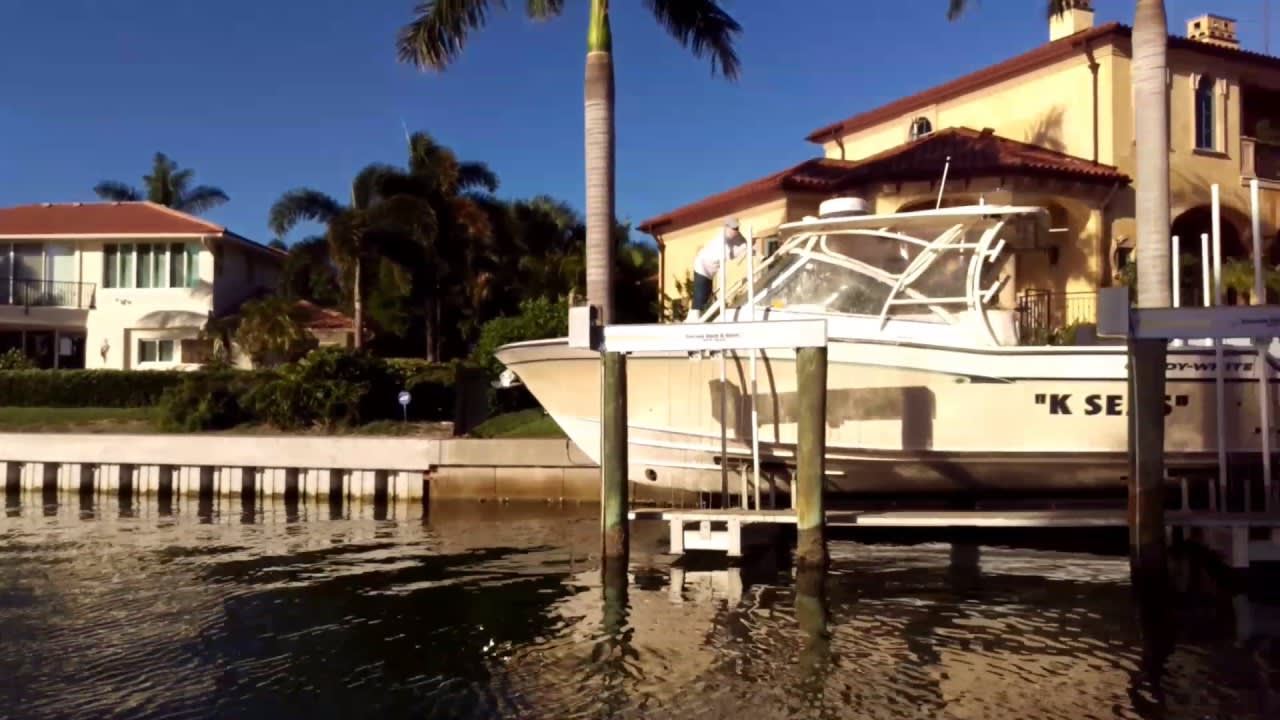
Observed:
{"x":902,"y":418}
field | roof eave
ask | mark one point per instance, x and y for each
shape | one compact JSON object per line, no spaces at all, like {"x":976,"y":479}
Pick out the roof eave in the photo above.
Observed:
{"x":985,"y":77}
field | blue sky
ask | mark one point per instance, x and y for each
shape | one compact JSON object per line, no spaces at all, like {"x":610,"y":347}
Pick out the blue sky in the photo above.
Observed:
{"x":260,"y":96}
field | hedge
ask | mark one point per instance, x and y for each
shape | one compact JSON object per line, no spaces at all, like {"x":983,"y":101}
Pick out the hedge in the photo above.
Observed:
{"x":329,"y":386}
{"x":85,"y":388}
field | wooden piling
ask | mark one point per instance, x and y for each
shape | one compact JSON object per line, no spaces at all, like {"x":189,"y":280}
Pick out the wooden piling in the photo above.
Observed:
{"x":1146,"y":457}
{"x":811,"y":441}
{"x":614,"y":529}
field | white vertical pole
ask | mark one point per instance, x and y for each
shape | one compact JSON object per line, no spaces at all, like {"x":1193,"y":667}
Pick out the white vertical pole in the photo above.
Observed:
{"x":755,"y":413}
{"x":724,"y":390}
{"x":1264,"y":381}
{"x":1206,"y":268}
{"x":1220,"y":411}
{"x":1177,"y":278}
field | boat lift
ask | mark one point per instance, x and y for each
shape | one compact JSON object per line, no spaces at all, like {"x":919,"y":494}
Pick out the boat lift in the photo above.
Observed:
{"x":721,"y":337}
{"x":1216,"y":323}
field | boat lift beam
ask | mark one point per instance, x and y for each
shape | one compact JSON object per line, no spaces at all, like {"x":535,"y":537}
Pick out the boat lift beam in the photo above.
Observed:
{"x":1260,"y":323}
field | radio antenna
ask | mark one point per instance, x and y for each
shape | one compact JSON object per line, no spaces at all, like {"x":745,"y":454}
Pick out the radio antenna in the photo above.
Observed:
{"x":943,"y":185}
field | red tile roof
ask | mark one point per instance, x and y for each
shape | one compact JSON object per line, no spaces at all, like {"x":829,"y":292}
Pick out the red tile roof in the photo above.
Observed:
{"x":1041,"y":56}
{"x":973,"y":153}
{"x":314,"y":317}
{"x":137,"y":219}
{"x":814,"y":176}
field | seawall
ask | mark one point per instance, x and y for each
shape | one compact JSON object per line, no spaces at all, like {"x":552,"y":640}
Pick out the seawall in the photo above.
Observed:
{"x":381,"y":468}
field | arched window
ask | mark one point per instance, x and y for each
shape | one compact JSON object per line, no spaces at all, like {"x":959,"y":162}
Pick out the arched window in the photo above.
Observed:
{"x":1206,"y":138}
{"x":920,"y":127}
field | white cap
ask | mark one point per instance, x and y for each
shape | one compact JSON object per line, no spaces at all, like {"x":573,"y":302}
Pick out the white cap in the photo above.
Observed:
{"x":731,"y":223}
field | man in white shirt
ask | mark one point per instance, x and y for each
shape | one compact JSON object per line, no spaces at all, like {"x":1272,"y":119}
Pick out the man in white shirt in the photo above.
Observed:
{"x":727,"y":243}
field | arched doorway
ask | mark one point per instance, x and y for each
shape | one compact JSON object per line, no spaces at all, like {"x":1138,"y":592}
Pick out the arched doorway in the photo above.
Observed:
{"x":1189,"y":226}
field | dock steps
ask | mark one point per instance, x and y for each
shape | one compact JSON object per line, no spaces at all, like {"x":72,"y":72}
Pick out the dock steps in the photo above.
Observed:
{"x":1233,"y":535}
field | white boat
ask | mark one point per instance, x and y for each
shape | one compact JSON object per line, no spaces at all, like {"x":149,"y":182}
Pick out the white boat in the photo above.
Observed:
{"x":929,"y":388}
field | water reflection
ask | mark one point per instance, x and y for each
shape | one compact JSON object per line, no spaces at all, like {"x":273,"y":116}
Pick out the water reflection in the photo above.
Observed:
{"x":280,"y":609}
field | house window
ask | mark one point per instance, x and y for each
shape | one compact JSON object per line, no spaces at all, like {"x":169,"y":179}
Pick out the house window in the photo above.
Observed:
{"x":1204,"y":103}
{"x":150,"y":265}
{"x":920,"y":127}
{"x":155,"y":351}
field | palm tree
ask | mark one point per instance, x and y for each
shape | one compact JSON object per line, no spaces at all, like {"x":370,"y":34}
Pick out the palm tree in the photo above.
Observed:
{"x":355,"y":231}
{"x":166,"y":185}
{"x":440,"y":28}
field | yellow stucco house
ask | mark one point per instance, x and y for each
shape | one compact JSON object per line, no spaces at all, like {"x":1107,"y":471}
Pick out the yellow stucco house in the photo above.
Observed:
{"x":1052,"y":127}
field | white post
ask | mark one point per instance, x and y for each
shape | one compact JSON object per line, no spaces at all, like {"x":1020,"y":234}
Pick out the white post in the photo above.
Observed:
{"x":755,"y":416}
{"x":724,"y":390}
{"x":1177,"y":278}
{"x":1264,"y":380}
{"x":942,"y":186}
{"x":1220,"y":410}
{"x":1206,"y":267}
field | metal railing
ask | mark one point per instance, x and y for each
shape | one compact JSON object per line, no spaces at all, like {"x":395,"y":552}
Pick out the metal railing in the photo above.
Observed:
{"x":1260,"y":159}
{"x":1041,"y":312}
{"x":46,"y":293}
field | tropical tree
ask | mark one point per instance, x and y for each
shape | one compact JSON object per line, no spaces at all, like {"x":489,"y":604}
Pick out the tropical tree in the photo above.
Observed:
{"x":167,"y":185}
{"x":356,"y":232}
{"x":452,"y":252}
{"x":270,"y":332}
{"x":440,"y":29}
{"x":310,"y":274}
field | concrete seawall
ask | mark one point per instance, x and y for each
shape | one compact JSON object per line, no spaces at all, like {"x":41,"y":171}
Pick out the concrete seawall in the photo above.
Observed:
{"x":392,"y":468}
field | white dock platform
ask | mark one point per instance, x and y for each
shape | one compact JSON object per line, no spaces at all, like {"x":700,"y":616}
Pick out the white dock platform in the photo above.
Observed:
{"x":729,"y":531}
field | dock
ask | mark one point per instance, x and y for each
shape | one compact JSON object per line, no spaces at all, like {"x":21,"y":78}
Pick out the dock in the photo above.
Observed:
{"x":1240,"y":538}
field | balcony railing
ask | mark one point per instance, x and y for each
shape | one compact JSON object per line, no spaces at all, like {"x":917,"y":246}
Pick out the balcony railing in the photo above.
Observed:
{"x":1040,"y":312}
{"x":1260,"y":159}
{"x":46,"y":293}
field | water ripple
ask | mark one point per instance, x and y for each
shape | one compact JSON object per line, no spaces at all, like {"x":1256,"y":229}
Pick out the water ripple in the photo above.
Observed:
{"x":482,"y":612}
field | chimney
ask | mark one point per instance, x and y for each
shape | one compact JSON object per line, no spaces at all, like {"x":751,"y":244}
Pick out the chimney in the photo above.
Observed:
{"x":1077,"y":16}
{"x":1214,"y":30}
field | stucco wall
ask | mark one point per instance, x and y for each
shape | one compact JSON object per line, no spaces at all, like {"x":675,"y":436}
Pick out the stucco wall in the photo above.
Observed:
{"x":1051,"y":107}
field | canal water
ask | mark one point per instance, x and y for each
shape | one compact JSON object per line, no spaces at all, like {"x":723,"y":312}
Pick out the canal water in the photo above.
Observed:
{"x":475,"y":611}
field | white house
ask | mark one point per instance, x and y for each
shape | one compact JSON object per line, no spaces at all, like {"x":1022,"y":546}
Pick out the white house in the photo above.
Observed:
{"x":122,"y":285}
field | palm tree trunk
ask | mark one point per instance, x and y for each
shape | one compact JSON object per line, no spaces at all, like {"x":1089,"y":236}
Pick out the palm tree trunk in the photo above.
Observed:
{"x":600,"y":161}
{"x":1147,"y":357}
{"x":431,"y":328}
{"x":357,"y":303}
{"x":1151,"y":108}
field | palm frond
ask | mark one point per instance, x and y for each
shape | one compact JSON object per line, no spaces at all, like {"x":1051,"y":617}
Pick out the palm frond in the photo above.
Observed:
{"x":179,"y":180}
{"x":302,"y":204}
{"x":201,"y":198}
{"x":366,"y":188}
{"x":475,"y":175}
{"x":703,"y":27}
{"x":439,"y":30}
{"x":956,"y":8}
{"x":545,"y":9}
{"x":117,"y":191}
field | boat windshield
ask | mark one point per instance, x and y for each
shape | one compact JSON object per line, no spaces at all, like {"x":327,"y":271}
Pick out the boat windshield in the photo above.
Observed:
{"x":927,"y":266}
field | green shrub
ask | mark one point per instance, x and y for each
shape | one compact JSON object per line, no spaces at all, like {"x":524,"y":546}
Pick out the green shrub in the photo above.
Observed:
{"x":539,"y":318}
{"x":15,"y":359}
{"x":329,"y":387}
{"x":207,"y":401}
{"x":86,"y":388}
